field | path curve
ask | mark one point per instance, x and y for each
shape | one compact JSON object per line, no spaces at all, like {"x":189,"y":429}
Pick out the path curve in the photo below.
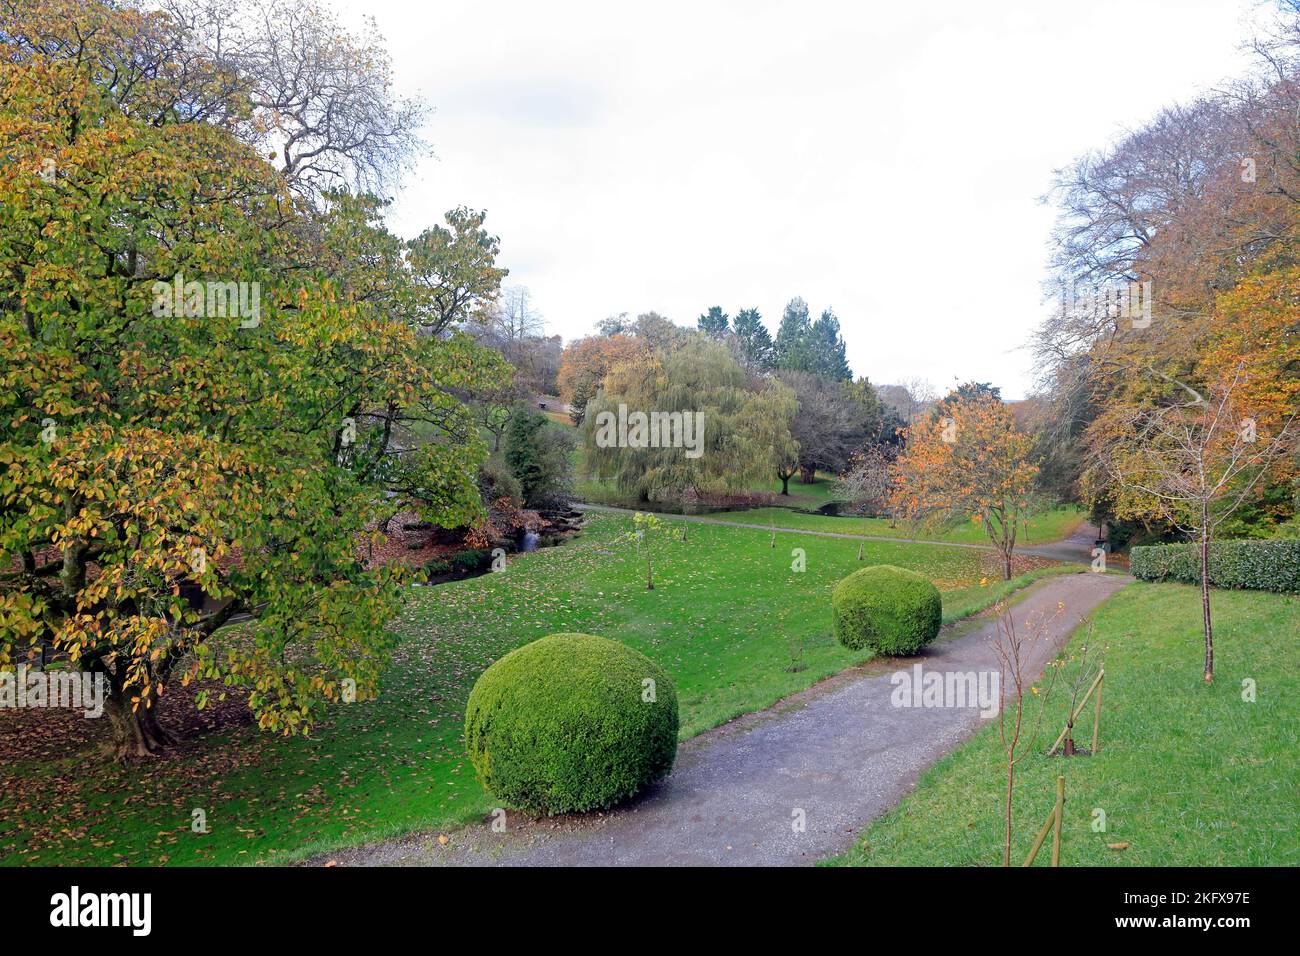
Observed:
{"x":839,"y":752}
{"x":1076,"y":548}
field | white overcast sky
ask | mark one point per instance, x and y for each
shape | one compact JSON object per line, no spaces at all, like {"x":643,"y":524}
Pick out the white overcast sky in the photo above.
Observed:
{"x":884,"y":159}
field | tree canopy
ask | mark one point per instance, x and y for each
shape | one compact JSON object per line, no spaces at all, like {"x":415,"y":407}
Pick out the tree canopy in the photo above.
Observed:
{"x":739,"y":426}
{"x":1173,"y":276}
{"x":806,"y":346}
{"x":214,"y":385}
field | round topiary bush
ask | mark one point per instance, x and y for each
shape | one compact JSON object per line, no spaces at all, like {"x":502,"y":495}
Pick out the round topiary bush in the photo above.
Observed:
{"x":570,"y":723}
{"x":886,"y":609}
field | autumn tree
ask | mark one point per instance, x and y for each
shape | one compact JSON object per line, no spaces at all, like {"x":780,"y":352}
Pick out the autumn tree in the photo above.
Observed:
{"x":586,"y":362}
{"x":968,"y":391}
{"x":658,"y":333}
{"x":510,"y":325}
{"x":620,"y":324}
{"x":1193,"y":462}
{"x":202,"y":395}
{"x":1257,"y":343}
{"x":1196,"y":214}
{"x":971,"y":464}
{"x":496,"y":404}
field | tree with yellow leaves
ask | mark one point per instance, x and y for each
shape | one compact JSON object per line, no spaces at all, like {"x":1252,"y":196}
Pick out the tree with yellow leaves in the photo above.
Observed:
{"x":212,"y":388}
{"x":1192,"y":461}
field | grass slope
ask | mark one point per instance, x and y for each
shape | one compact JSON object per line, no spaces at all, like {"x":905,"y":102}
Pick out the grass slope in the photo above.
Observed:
{"x":1188,"y":775}
{"x":1043,"y":528}
{"x":811,"y":496}
{"x":731,"y":623}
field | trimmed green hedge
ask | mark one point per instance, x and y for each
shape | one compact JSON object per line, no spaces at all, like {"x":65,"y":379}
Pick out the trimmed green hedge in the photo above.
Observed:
{"x":886,"y":609}
{"x":563,"y":724}
{"x":1260,"y":565}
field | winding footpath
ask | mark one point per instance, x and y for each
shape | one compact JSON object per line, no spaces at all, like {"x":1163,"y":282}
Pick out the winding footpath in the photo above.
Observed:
{"x":835,"y":757}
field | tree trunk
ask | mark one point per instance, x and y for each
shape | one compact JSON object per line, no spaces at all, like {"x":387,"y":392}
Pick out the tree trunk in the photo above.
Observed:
{"x":1006,"y":565}
{"x":137,"y":734}
{"x":807,"y":475}
{"x":1006,"y":837}
{"x":1205,"y":598}
{"x":785,"y":484}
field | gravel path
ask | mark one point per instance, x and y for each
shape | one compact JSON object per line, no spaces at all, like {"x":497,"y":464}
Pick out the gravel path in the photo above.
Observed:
{"x":836,"y":756}
{"x":1076,"y":548}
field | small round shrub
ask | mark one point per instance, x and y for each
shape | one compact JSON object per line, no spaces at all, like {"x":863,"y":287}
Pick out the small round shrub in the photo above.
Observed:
{"x":887,"y":610}
{"x":567,"y":724}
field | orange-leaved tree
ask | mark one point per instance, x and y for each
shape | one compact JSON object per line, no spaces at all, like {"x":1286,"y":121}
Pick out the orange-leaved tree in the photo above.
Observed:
{"x":968,"y":462}
{"x":1191,"y":461}
{"x":586,"y":362}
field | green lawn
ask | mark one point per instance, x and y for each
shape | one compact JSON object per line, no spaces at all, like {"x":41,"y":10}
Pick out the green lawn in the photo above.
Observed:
{"x":1044,"y":527}
{"x":809,"y":497}
{"x":729,"y":620}
{"x":794,"y":513}
{"x":1188,"y":775}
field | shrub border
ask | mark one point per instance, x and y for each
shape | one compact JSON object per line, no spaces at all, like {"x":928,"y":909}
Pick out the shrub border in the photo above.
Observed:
{"x":1258,"y":565}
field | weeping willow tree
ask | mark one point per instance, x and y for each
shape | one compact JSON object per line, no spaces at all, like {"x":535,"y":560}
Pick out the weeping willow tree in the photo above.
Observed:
{"x":689,"y":421}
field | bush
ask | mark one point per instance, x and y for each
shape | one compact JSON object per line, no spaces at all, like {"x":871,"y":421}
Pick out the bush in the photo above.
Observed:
{"x":470,"y":560}
{"x":560,"y":725}
{"x":436,"y":566}
{"x":540,"y":455}
{"x":496,"y":480}
{"x":887,"y":610}
{"x":1268,"y":565}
